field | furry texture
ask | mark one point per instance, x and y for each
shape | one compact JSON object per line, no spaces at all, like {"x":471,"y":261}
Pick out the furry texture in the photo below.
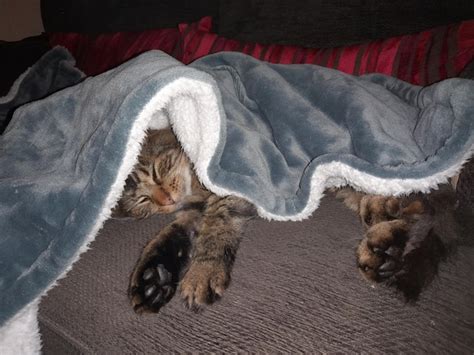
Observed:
{"x":65,"y":158}
{"x":196,"y":252}
{"x":406,"y":237}
{"x":21,"y":334}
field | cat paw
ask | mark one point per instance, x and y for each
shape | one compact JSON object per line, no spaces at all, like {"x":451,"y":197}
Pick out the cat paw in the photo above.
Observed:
{"x":204,"y":283}
{"x":406,"y":238}
{"x":152,"y":287}
{"x":156,"y":275}
{"x":402,"y":254}
{"x":380,"y":253}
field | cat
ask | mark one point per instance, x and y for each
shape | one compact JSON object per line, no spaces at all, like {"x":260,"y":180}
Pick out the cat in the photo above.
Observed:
{"x":195,"y":253}
{"x":406,"y":237}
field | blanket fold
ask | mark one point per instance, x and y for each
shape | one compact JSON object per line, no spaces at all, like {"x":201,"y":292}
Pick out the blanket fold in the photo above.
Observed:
{"x":277,"y":135}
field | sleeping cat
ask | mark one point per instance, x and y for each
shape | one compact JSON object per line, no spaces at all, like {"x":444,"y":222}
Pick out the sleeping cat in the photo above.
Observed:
{"x":405,"y":240}
{"x":196,"y":252}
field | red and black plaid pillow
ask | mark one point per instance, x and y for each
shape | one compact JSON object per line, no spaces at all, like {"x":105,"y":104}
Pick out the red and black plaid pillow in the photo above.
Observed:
{"x":421,"y":58}
{"x":95,"y":54}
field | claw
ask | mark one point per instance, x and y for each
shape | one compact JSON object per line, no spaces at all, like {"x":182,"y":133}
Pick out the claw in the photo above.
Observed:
{"x":158,"y":297}
{"x":168,"y":291}
{"x":165,"y":275}
{"x":393,"y":251}
{"x":378,"y":251}
{"x":385,"y":274}
{"x":148,"y":274}
{"x":389,"y":265}
{"x":149,"y":291}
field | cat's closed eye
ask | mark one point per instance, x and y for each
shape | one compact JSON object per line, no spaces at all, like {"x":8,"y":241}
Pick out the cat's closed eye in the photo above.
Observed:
{"x":143,"y":199}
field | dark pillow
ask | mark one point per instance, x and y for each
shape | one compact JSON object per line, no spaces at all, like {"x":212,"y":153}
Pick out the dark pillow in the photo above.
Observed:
{"x":325,"y":23}
{"x":421,"y":58}
{"x":110,"y":16}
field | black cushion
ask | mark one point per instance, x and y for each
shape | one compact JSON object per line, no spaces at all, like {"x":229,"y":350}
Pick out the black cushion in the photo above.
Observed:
{"x":325,"y":23}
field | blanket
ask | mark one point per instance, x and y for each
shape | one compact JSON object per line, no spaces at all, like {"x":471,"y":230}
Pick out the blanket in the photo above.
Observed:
{"x":277,"y":135}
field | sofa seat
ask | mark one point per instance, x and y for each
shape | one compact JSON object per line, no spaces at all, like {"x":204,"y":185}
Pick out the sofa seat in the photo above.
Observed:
{"x":295,"y":288}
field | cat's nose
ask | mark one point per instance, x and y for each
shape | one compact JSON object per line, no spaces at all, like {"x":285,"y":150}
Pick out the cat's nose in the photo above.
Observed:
{"x":162,"y":198}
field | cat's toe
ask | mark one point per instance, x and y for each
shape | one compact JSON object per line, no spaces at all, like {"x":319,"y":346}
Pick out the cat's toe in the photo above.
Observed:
{"x":388,"y":268}
{"x":203,"y":284}
{"x":379,"y":255}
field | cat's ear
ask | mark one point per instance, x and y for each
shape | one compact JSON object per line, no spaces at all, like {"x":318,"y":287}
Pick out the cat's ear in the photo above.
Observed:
{"x":156,"y":141}
{"x":163,"y":137}
{"x":350,"y":197}
{"x":131,"y":182}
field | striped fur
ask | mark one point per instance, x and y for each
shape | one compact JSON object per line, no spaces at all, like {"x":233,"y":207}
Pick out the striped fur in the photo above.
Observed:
{"x":407,"y":237}
{"x":196,"y":252}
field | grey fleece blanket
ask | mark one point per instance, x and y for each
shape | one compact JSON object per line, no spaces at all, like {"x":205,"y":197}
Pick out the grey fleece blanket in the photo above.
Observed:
{"x":277,"y":135}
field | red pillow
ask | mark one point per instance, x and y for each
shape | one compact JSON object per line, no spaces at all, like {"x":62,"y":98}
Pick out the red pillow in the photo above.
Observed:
{"x":421,"y":58}
{"x":95,"y":54}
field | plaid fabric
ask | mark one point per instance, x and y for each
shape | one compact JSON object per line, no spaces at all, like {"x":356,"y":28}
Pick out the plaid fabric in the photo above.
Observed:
{"x":95,"y":54}
{"x":421,"y":58}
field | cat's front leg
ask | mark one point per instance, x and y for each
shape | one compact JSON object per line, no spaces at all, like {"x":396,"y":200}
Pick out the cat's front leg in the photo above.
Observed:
{"x":214,"y":250}
{"x":157,"y":272}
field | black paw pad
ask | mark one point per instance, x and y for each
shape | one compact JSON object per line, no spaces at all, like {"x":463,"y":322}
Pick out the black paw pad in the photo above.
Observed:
{"x":154,"y":281}
{"x":156,"y":287}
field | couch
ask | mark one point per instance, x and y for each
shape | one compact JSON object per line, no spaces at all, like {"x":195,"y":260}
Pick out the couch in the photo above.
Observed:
{"x":295,"y":285}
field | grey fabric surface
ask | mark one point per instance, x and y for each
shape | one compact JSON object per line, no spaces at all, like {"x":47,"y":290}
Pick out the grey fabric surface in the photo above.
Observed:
{"x":295,"y":289}
{"x":54,"y":71}
{"x":288,"y":121}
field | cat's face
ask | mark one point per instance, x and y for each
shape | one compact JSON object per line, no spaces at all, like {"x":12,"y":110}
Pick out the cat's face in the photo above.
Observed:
{"x":158,"y":184}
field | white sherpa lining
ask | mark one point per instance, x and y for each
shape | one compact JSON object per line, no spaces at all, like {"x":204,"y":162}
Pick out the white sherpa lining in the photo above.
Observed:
{"x":20,"y":335}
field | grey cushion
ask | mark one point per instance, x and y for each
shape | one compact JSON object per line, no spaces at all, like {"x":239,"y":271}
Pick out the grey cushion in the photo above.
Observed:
{"x":295,"y":288}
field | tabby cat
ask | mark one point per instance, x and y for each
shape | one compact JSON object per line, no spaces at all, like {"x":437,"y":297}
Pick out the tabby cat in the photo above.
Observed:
{"x":195,"y":253}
